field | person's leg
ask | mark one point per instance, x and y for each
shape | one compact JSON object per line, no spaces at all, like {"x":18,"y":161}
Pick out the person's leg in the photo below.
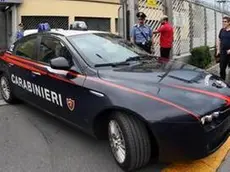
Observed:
{"x":224,"y":60}
{"x":161,"y":52}
{"x":228,"y":64}
{"x":165,"y":52}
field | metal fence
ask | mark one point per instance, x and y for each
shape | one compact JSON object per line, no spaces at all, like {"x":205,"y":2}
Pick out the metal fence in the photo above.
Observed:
{"x":195,"y":23}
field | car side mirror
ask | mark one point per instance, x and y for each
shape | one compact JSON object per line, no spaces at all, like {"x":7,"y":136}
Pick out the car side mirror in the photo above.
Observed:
{"x":60,"y":63}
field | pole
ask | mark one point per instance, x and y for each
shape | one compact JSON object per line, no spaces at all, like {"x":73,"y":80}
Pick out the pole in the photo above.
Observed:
{"x":132,"y":10}
{"x":168,"y":10}
{"x":222,"y":4}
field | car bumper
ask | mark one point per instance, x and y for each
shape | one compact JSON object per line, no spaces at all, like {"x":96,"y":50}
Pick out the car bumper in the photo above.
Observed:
{"x":189,"y":141}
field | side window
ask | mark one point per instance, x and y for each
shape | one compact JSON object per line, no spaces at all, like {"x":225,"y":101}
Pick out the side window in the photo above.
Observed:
{"x":51,"y":48}
{"x":26,"y":48}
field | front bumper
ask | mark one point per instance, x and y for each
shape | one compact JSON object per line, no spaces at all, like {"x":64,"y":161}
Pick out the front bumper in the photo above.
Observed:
{"x":189,"y":141}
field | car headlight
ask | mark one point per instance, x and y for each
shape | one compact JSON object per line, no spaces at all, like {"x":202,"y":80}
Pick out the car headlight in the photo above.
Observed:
{"x":209,"y":118}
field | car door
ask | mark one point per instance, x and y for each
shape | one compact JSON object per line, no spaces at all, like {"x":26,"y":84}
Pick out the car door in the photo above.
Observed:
{"x":62,"y":91}
{"x":22,"y":57}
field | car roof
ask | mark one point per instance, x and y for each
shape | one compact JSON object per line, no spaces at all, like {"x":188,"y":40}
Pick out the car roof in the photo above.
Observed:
{"x":63,"y":32}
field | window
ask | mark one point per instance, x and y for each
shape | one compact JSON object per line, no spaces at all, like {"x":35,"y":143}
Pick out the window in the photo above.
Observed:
{"x":26,"y":48}
{"x":51,"y":48}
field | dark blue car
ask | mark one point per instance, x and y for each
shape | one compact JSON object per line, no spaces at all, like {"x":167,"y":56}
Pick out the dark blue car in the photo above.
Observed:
{"x":146,"y":107}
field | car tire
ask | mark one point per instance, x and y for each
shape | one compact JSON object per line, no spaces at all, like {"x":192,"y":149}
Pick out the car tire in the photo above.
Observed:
{"x":6,"y":89}
{"x":129,"y":133}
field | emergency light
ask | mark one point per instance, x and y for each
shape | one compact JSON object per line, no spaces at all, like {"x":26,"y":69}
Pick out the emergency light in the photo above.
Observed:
{"x":42,"y":27}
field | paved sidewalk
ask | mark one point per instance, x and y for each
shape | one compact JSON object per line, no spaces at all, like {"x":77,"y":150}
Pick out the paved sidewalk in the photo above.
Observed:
{"x":215,"y":70}
{"x":225,"y":166}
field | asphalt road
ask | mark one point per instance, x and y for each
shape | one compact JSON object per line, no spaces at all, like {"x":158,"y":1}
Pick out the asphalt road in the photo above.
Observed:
{"x":32,"y":141}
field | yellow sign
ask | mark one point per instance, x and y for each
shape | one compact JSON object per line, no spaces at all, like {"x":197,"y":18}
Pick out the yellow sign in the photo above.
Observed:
{"x":152,"y":3}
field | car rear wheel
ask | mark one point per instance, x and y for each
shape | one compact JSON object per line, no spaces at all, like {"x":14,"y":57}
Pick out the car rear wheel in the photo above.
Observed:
{"x":129,"y":142}
{"x":6,"y":90}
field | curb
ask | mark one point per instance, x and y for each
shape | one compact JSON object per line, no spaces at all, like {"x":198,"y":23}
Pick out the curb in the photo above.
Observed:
{"x":213,"y":67}
{"x":209,"y":164}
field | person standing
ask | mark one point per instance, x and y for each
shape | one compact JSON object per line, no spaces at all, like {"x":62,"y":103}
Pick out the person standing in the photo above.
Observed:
{"x":166,"y":37}
{"x":223,"y":47}
{"x":20,"y":32}
{"x":141,"y":34}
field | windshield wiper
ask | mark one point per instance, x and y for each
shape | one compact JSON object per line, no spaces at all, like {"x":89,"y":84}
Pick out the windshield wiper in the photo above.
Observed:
{"x":140,"y":57}
{"x":112,"y":64}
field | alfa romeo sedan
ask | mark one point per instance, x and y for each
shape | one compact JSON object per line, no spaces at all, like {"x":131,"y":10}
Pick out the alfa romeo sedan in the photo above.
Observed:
{"x":146,"y":107}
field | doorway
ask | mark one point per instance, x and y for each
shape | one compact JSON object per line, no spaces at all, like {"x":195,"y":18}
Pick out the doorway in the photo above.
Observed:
{"x":3,"y":34}
{"x":6,"y":25}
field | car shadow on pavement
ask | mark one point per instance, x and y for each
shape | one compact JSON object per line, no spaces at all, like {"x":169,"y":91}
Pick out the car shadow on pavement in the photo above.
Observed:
{"x":69,"y":145}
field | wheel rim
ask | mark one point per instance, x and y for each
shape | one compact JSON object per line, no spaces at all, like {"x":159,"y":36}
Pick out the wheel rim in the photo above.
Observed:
{"x":5,"y":88}
{"x":117,"y":142}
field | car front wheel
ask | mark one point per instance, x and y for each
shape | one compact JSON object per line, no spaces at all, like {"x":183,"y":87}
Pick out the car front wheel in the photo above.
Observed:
{"x":129,"y":141}
{"x":6,"y":89}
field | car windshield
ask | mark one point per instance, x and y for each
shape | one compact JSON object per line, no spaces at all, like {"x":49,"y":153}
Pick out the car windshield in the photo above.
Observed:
{"x":102,"y":48}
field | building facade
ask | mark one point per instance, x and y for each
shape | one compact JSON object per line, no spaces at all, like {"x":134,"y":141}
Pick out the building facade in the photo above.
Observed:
{"x":98,"y":14}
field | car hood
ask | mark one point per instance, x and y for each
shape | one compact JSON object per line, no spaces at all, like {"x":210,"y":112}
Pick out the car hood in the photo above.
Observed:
{"x":174,"y":81}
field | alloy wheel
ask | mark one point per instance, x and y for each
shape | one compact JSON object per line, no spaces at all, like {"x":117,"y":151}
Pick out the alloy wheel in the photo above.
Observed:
{"x":117,"y":142}
{"x":5,"y":89}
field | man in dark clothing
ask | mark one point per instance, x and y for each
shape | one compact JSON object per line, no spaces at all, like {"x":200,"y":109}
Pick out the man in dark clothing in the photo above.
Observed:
{"x":223,"y":47}
{"x":166,"y":37}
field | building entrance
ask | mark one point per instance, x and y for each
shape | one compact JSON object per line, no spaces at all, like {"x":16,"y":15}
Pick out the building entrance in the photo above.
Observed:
{"x":8,"y":22}
{"x":3,"y":34}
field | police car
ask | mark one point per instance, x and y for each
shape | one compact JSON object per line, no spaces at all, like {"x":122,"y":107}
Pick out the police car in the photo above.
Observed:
{"x":112,"y":89}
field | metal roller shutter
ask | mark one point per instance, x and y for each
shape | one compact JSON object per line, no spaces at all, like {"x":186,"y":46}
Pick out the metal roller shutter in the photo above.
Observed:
{"x":95,"y":23}
{"x":31,"y":22}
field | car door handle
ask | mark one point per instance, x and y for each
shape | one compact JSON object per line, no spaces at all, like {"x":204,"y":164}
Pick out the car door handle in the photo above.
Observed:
{"x":36,"y":73}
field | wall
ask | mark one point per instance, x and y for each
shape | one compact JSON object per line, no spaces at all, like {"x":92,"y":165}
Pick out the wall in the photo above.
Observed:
{"x":70,"y":8}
